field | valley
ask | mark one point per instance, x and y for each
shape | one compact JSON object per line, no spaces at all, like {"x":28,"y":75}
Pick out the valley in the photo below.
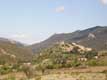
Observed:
{"x":81,"y":55}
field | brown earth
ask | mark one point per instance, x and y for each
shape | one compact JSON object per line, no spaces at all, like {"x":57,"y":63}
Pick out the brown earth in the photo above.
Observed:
{"x":78,"y":70}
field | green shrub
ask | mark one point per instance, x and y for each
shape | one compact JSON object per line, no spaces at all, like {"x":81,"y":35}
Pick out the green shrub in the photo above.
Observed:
{"x":91,"y":54}
{"x":5,"y":70}
{"x":92,"y":63}
{"x":75,"y":63}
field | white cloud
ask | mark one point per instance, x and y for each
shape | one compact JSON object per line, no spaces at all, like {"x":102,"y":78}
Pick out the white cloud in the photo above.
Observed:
{"x":60,"y":9}
{"x":20,"y":36}
{"x":104,"y":2}
{"x":24,"y":38}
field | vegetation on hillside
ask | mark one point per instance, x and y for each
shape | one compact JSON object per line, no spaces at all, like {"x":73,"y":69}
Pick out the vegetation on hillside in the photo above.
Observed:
{"x":64,"y":55}
{"x":16,"y":60}
{"x":95,"y":37}
{"x":12,"y":53}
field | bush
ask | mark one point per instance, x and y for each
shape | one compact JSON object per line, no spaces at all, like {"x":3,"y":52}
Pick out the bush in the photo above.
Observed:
{"x":92,"y":63}
{"x":5,"y":70}
{"x":91,"y":54}
{"x":75,"y":63}
{"x":28,"y":70}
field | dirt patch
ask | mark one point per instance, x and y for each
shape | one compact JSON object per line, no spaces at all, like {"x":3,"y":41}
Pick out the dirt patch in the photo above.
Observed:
{"x":80,"y":76}
{"x":80,"y":70}
{"x":17,"y":75}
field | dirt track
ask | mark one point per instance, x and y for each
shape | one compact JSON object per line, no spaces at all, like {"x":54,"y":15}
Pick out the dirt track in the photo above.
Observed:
{"x":81,"y":70}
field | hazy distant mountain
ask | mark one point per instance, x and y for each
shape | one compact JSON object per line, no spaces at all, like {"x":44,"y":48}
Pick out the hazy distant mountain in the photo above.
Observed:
{"x":11,"y":51}
{"x":95,"y":38}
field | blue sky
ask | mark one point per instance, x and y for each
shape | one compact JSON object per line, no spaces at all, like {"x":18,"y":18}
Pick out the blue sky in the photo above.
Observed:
{"x":31,"y":21}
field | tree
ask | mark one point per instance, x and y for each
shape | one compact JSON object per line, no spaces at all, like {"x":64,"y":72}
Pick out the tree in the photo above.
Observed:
{"x":90,"y":54}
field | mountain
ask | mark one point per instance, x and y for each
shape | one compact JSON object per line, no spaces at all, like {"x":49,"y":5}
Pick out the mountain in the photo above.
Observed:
{"x":11,"y":41}
{"x":65,"y":55}
{"x":95,"y":37}
{"x":12,"y":51}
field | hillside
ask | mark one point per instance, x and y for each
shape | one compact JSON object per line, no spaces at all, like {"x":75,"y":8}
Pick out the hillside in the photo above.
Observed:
{"x":61,"y":58}
{"x":65,"y":55}
{"x":12,"y":51}
{"x":95,"y":38}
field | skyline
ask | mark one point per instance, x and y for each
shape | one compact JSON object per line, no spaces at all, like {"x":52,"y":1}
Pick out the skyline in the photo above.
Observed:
{"x":31,"y":21}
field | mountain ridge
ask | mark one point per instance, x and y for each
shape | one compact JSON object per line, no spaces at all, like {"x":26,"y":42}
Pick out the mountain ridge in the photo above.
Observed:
{"x":91,"y":37}
{"x":12,"y":51}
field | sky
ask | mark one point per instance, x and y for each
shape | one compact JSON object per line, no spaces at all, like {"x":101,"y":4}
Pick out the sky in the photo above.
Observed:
{"x":31,"y":21}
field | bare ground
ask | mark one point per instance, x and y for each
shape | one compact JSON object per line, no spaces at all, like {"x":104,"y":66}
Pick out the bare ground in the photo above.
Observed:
{"x":79,"y":70}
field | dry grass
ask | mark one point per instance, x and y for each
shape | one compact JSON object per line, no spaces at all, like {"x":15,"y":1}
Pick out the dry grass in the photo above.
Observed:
{"x":80,"y":76}
{"x":17,"y":76}
{"x":90,"y":73}
{"x":80,"y":70}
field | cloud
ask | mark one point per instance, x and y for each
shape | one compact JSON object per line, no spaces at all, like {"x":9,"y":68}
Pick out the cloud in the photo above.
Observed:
{"x":60,"y":9}
{"x":104,"y":2}
{"x":20,"y":36}
{"x":24,"y":38}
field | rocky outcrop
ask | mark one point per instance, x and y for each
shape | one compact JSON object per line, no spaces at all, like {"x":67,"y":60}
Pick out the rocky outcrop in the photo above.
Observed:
{"x":66,"y":47}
